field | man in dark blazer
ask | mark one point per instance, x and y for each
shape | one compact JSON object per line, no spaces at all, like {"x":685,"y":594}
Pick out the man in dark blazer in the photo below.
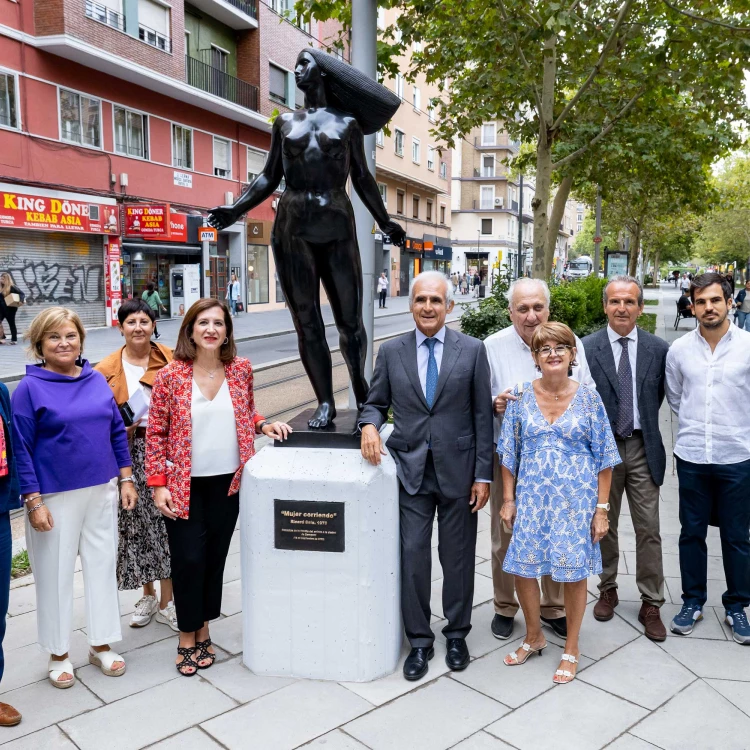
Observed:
{"x":628,"y":366}
{"x":437,"y":382}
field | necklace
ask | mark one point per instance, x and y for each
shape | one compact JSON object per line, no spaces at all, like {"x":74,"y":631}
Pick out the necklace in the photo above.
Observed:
{"x":210,"y":373}
{"x":556,"y":396}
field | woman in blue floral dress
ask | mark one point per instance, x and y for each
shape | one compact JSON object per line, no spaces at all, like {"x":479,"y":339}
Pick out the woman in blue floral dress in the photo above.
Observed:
{"x":557,"y":452}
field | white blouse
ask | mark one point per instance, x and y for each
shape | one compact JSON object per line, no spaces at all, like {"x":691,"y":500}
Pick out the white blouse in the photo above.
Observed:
{"x":133,"y":375}
{"x":215,"y":449}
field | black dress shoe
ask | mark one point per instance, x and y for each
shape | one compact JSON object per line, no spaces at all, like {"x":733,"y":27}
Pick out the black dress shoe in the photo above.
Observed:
{"x":502,"y":627}
{"x":558,"y":624}
{"x":457,"y":657}
{"x":416,"y":664}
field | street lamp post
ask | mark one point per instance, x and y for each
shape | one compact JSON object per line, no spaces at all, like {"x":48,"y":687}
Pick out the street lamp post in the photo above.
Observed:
{"x":519,"y":261}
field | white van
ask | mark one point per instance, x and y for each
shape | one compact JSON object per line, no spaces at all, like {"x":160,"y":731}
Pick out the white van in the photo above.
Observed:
{"x":580,"y":267}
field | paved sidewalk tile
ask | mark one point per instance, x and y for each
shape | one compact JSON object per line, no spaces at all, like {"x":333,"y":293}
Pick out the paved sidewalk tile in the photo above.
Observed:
{"x":191,"y":739}
{"x":715,"y":587}
{"x":696,"y":716}
{"x":598,"y":639}
{"x":22,"y":600}
{"x":227,"y":633}
{"x":569,"y":717}
{"x":288,"y":717}
{"x":735,"y":692}
{"x":50,"y":738}
{"x":237,"y":681}
{"x":448,"y":713}
{"x":232,"y":568}
{"x":482,"y":741}
{"x":43,"y":705}
{"x":640,"y":672}
{"x":336,"y":740}
{"x":709,"y":627}
{"x":149,"y":716}
{"x":483,"y":592}
{"x":724,"y":661}
{"x":231,"y":598}
{"x":629,"y":742}
{"x":484,"y":545}
{"x":20,"y":631}
{"x":518,"y":684}
{"x":133,"y":638}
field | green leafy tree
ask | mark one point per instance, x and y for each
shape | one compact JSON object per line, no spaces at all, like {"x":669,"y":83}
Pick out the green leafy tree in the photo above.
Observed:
{"x":564,"y":76}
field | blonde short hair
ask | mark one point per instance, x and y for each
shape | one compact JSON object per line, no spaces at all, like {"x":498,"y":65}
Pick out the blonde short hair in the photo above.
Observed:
{"x":50,"y":320}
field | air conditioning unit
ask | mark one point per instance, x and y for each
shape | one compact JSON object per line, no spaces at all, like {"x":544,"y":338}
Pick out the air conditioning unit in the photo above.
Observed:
{"x":498,"y":202}
{"x":228,"y":198}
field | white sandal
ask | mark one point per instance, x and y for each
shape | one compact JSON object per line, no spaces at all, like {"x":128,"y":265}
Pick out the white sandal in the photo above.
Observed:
{"x":513,"y":656}
{"x":104,"y":660}
{"x":564,"y":672}
{"x":56,"y":669}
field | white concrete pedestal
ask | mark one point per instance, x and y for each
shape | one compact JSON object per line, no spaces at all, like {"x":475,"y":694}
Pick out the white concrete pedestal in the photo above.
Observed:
{"x":313,"y":614}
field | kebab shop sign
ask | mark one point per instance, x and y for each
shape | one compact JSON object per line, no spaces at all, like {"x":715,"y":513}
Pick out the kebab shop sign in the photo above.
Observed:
{"x":146,"y":220}
{"x":23,"y":211}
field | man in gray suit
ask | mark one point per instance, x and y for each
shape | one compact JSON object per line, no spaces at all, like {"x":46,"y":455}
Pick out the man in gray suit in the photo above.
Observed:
{"x":437,"y":382}
{"x":628,"y":366}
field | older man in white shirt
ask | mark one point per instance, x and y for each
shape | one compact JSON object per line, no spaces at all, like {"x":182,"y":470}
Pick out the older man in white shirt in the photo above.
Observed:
{"x":708,"y":387}
{"x":511,"y":363}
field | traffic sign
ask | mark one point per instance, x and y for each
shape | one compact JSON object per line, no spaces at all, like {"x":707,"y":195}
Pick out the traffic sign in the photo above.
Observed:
{"x":597,"y":240}
{"x":207,"y":234}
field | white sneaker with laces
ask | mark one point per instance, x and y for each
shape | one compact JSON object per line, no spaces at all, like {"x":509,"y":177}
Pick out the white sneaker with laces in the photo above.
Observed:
{"x":168,"y":616}
{"x":145,"y":609}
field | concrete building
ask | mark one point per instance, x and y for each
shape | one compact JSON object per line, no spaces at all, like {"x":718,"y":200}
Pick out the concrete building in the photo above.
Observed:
{"x":413,"y":175}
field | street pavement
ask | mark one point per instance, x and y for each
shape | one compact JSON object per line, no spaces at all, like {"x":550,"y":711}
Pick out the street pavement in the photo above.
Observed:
{"x":630,"y":693}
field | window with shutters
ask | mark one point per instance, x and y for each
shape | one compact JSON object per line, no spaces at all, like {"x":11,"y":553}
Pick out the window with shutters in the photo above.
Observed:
{"x":182,"y":147}
{"x":416,"y":153}
{"x":222,"y":158}
{"x":109,"y":12}
{"x":398,"y":142}
{"x":219,"y":59}
{"x":80,"y":119}
{"x":442,"y":214}
{"x":256,"y":160}
{"x":486,"y":226}
{"x":131,"y":133}
{"x":399,"y":202}
{"x":415,"y":206}
{"x":489,"y":131}
{"x":428,"y":211}
{"x":154,"y":24}
{"x":380,"y":138}
{"x":8,"y":103}
{"x":383,"y":190}
{"x":431,"y":158}
{"x":277,"y":84}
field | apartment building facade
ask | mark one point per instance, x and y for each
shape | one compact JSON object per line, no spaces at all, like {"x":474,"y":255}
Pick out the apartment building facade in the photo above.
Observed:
{"x":121,"y":123}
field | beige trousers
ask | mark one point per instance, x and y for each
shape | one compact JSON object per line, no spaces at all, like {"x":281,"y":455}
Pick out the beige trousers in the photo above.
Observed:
{"x":633,"y":477}
{"x":552,"y":603}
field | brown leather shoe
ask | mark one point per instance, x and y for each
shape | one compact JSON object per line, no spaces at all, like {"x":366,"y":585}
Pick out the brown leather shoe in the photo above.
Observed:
{"x":604,"y":609}
{"x":650,"y":618}
{"x":9,"y":717}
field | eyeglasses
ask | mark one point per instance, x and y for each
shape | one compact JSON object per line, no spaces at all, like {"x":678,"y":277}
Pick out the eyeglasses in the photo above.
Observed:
{"x":559,"y":350}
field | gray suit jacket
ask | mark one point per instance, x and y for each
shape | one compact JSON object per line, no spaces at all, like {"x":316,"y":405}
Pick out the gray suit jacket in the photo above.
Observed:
{"x":651,"y":358}
{"x":459,"y":425}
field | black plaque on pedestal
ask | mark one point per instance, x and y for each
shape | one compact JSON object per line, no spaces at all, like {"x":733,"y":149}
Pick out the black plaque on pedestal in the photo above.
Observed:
{"x":341,"y":434}
{"x":309,"y":526}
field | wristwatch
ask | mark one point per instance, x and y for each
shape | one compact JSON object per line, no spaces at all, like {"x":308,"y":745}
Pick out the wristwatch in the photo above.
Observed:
{"x":259,"y":427}
{"x":603,"y":506}
{"x":127,"y":479}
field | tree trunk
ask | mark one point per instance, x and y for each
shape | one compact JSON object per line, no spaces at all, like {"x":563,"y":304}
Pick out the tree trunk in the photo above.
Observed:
{"x":656,"y":268}
{"x":635,"y":247}
{"x":555,"y":219}
{"x":540,"y":202}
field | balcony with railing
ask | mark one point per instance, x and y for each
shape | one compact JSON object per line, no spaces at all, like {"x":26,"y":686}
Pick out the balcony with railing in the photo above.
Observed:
{"x":154,"y":38}
{"x":237,"y":14}
{"x":215,"y":81}
{"x":105,"y":15}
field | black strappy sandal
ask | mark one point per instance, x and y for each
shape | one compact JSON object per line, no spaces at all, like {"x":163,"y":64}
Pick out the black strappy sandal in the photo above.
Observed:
{"x":187,"y":661}
{"x":203,"y":653}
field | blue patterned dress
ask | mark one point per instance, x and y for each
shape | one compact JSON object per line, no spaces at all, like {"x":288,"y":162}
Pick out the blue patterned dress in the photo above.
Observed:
{"x":556,"y":485}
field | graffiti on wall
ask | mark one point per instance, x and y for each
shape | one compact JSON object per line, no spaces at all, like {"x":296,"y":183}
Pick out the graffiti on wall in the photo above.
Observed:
{"x":55,"y":283}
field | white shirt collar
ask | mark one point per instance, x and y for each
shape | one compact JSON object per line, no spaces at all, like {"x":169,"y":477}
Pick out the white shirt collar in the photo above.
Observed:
{"x":614,"y":336}
{"x":728,"y":335}
{"x":421,"y":338}
{"x":520,"y":340}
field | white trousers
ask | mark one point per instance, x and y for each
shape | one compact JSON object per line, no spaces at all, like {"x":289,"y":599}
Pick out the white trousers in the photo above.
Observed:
{"x":85,"y":523}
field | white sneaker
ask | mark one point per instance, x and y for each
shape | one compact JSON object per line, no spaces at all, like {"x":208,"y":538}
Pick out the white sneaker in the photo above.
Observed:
{"x":168,"y":616}
{"x":145,"y":609}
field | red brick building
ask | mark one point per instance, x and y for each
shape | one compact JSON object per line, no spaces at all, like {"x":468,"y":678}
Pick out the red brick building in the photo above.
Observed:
{"x":110,"y":106}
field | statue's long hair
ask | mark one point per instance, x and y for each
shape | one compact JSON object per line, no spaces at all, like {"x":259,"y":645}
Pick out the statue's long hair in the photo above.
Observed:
{"x":351,"y":91}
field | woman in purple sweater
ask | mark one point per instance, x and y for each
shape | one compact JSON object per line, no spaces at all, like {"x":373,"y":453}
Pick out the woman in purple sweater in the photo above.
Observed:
{"x":70,"y":445}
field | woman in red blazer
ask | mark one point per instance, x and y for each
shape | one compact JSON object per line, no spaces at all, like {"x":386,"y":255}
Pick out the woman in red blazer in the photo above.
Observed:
{"x":201,"y":430}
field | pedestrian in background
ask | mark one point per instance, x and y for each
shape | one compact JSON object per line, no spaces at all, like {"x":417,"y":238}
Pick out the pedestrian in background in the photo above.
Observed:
{"x":628,"y":364}
{"x":708,"y":389}
{"x":201,"y":428}
{"x":382,"y":290}
{"x":742,"y":300}
{"x":153,"y":299}
{"x":11,"y":298}
{"x":464,"y":284}
{"x":143,"y":549}
{"x":70,"y":446}
{"x":557,"y":457}
{"x":9,"y":500}
{"x":233,"y":294}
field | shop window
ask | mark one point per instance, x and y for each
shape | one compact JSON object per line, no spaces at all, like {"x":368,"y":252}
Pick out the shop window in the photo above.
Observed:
{"x":277,"y":84}
{"x":398,"y":142}
{"x":80,"y":119}
{"x":131,"y":133}
{"x":486,"y":226}
{"x":415,"y":206}
{"x":182,"y":147}
{"x":222,"y":158}
{"x":256,"y":160}
{"x":383,"y":189}
{"x":257,"y":274}
{"x":8,"y":107}
{"x":399,"y":202}
{"x":428,"y":209}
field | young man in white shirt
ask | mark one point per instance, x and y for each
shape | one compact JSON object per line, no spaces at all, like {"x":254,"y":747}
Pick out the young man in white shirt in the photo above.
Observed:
{"x":708,"y":387}
{"x":511,"y":363}
{"x":382,"y":289}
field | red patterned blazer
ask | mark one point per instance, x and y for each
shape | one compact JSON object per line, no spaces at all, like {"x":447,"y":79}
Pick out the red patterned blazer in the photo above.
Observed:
{"x":169,"y":434}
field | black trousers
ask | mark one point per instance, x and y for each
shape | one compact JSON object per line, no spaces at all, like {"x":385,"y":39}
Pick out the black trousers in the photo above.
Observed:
{"x":381,"y":298}
{"x":726,"y":486}
{"x":9,"y":313}
{"x":198,"y":546}
{"x":457,"y":541}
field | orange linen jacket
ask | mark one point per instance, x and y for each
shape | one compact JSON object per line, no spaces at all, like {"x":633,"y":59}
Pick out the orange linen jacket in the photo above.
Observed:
{"x":169,"y":433}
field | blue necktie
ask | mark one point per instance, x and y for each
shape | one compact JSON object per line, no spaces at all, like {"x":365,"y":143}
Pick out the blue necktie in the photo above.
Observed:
{"x":624,"y":425}
{"x":432,"y":372}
